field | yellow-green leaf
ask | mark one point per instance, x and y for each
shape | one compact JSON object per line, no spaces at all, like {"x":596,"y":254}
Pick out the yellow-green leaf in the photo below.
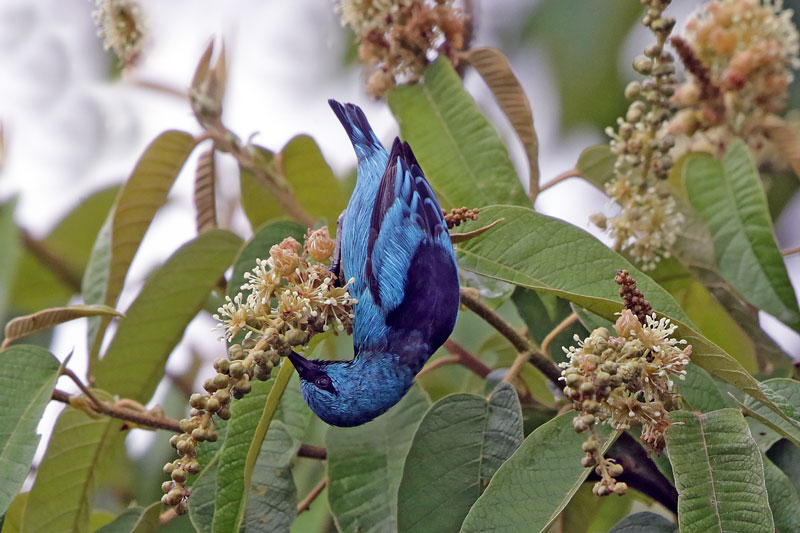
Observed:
{"x":22,"y":326}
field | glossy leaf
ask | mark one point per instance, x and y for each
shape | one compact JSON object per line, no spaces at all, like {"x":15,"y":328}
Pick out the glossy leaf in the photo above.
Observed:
{"x":365,"y":464}
{"x":143,"y":194}
{"x":786,"y":394}
{"x":9,"y":251}
{"x":718,"y":473}
{"x":155,"y":321}
{"x":135,"y":520}
{"x":549,"y":255}
{"x":459,"y":150}
{"x":730,"y":198}
{"x":495,"y":70}
{"x":459,"y":445}
{"x":79,"y":450}
{"x":22,"y":326}
{"x":28,"y":375}
{"x":272,"y":496}
{"x":312,"y":180}
{"x":644,"y":522}
{"x":535,"y":484}
{"x":784,"y":501}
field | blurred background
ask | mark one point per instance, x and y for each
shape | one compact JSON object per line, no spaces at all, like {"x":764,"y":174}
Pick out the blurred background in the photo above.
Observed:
{"x":72,"y":124}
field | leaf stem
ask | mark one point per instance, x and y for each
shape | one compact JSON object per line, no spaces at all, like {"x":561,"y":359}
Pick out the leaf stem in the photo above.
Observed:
{"x":573,"y":173}
{"x":461,"y":356}
{"x":523,"y":357}
{"x":138,"y":418}
{"x":524,"y":346}
{"x":790,"y":251}
{"x":305,"y":505}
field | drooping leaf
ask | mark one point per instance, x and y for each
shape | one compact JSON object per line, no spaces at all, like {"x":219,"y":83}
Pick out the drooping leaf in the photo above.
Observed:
{"x":365,"y":464}
{"x":718,"y":473}
{"x":786,"y":456}
{"x":784,"y":501}
{"x":644,"y":522}
{"x":459,"y":445}
{"x":312,"y":180}
{"x":22,"y":326}
{"x":785,"y":393}
{"x":272,"y":496}
{"x":143,"y":194}
{"x":79,"y":450}
{"x":205,"y":205}
{"x":27,"y":377}
{"x":135,"y":520}
{"x":729,"y":196}
{"x":495,"y":70}
{"x":535,"y":484}
{"x":549,"y":255}
{"x":9,"y":251}
{"x":700,"y":391}
{"x":459,"y":150}
{"x":155,"y":321}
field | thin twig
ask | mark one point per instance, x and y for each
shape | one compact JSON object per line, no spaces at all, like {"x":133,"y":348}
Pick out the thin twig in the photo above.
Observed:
{"x":548,"y":340}
{"x":49,"y":259}
{"x":460,"y":356}
{"x":438,"y":363}
{"x":140,"y":419}
{"x":471,"y":299}
{"x":159,"y":87}
{"x":84,"y":389}
{"x":791,"y":251}
{"x":573,"y":173}
{"x":305,"y":505}
{"x":311,"y":451}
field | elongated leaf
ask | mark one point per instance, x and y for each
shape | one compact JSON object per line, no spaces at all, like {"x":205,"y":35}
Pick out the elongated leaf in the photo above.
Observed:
{"x":536,"y":483}
{"x":201,"y":501}
{"x":365,"y":464}
{"x":141,"y":196}
{"x":272,"y":497}
{"x":23,"y":326}
{"x":459,"y":445}
{"x":460,"y":152}
{"x":258,"y":202}
{"x":786,"y":456}
{"x":596,"y":164}
{"x":205,"y":204}
{"x":312,"y":180}
{"x":718,"y":473}
{"x":495,"y":70}
{"x":9,"y":251}
{"x":27,"y":377}
{"x":644,"y":522}
{"x":135,"y":520}
{"x":730,"y":198}
{"x":785,"y":393}
{"x":79,"y":450}
{"x":700,"y":391}
{"x":542,"y":313}
{"x":549,"y":255}
{"x":784,"y":502}
{"x":154,"y":323}
{"x":13,"y":517}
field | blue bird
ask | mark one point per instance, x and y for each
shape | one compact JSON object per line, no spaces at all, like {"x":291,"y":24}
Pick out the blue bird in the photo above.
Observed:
{"x":393,"y":240}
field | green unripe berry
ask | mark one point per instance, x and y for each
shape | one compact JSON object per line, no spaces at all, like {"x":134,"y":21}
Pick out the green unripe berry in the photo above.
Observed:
{"x":199,"y":434}
{"x":166,"y":487}
{"x":174,"y":496}
{"x":197,"y":400}
{"x":209,"y":386}
{"x":263,"y":374}
{"x":212,"y":436}
{"x":173,"y":441}
{"x":602,"y":378}
{"x":589,"y":446}
{"x":236,"y":370}
{"x":212,"y":405}
{"x":588,"y":461}
{"x":615,"y":470}
{"x":179,"y":475}
{"x":185,"y":447}
{"x":224,"y":413}
{"x":579,"y":425}
{"x":182,"y":507}
{"x":192,"y":466}
{"x":572,"y":379}
{"x":642,"y":65}
{"x":223,"y":396}
{"x":588,"y":419}
{"x":236,"y":351}
{"x":586,"y":388}
{"x":221,"y":381}
{"x":609,"y":367}
{"x":600,"y":489}
{"x":633,"y":90}
{"x":620,"y":488}
{"x":221,"y":365}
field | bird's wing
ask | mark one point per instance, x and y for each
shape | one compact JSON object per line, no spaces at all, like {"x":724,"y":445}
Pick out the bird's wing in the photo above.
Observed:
{"x":410,"y":268}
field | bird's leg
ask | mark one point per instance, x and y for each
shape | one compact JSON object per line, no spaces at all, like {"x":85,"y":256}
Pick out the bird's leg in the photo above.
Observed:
{"x":336,"y":262}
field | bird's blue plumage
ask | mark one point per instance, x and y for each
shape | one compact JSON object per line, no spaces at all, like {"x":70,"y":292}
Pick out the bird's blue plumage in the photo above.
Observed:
{"x":396,"y":246}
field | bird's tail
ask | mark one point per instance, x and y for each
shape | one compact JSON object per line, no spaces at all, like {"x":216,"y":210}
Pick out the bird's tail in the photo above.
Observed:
{"x":358,"y":129}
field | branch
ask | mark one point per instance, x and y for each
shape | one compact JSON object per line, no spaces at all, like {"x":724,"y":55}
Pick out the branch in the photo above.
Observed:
{"x":526,"y":348}
{"x":523,"y":357}
{"x":574,"y":173}
{"x":305,"y":505}
{"x":461,"y":356}
{"x":310,"y":451}
{"x":138,"y":418}
{"x":791,"y":251}
{"x":51,"y":261}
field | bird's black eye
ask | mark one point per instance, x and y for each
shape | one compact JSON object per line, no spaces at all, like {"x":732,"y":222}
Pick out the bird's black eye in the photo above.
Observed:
{"x":323,"y":382}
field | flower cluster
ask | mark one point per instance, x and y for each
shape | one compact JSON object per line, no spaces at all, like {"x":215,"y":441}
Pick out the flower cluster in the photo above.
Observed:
{"x":624,"y":380}
{"x":121,"y":25}
{"x":398,"y":38}
{"x":458,"y":215}
{"x":648,"y":221}
{"x":289,"y":298}
{"x":739,"y":55}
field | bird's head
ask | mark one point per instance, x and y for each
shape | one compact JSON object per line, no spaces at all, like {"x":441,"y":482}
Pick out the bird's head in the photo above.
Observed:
{"x":350,"y":393}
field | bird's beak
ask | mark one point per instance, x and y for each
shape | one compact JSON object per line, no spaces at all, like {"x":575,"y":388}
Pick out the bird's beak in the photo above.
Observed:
{"x":303,"y":366}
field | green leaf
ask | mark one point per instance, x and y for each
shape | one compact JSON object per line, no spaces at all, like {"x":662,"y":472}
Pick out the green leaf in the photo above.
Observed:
{"x":312,"y":180}
{"x":13,"y":517}
{"x":135,"y":520}
{"x":143,"y":194}
{"x":272,"y":496}
{"x":258,"y":202}
{"x":584,"y":47}
{"x":549,"y":255}
{"x":459,"y":150}
{"x":718,"y":473}
{"x":786,"y":456}
{"x":36,"y":286}
{"x":700,"y":391}
{"x":365,"y":464}
{"x":9,"y":251}
{"x":22,"y":326}
{"x":533,"y":486}
{"x":155,"y":321}
{"x":28,"y":375}
{"x":596,"y":164}
{"x":201,"y":501}
{"x":785,"y":393}
{"x":542,"y":313}
{"x":586,"y":513}
{"x":459,"y":445}
{"x":79,"y":450}
{"x":783,"y":498}
{"x":730,"y":198}
{"x":644,"y":522}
